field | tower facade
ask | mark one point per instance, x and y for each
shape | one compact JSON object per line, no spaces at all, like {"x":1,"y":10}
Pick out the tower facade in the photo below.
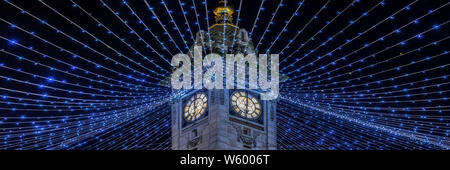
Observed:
{"x":223,"y":119}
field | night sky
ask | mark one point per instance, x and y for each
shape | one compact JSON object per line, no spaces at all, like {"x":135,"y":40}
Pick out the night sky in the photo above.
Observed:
{"x":367,"y":74}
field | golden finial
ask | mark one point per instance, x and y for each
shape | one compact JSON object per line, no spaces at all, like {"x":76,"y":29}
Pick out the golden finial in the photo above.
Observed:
{"x":224,"y":13}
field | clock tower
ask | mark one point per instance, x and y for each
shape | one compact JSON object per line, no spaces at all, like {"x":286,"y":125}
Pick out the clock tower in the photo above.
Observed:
{"x":223,"y":119}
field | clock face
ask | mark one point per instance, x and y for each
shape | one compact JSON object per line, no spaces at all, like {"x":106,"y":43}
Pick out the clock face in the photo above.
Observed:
{"x":195,"y":107}
{"x":246,"y":105}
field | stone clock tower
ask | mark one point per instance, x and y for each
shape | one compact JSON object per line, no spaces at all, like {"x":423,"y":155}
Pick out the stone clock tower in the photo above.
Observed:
{"x":223,"y":119}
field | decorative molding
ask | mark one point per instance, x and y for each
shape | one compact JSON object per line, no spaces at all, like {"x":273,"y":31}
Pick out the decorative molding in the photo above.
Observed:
{"x":246,"y":123}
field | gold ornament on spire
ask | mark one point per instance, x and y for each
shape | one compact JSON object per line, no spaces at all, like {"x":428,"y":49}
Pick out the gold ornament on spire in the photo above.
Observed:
{"x":224,"y":13}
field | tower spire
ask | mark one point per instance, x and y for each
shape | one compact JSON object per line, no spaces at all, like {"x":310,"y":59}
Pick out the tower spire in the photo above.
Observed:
{"x":223,"y":14}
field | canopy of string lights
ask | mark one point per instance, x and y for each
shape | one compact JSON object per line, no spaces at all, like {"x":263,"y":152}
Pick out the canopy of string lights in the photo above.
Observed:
{"x":355,"y":74}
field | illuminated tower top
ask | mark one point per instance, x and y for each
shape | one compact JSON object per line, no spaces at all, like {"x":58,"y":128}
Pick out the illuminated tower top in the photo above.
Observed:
{"x":224,"y":13}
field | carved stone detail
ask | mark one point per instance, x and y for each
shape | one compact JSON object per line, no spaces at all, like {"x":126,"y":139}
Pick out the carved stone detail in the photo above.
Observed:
{"x":194,"y":142}
{"x":249,"y":141}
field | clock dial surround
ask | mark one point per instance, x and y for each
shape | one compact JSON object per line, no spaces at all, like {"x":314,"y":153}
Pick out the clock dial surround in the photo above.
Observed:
{"x":245,"y":105}
{"x":195,"y":107}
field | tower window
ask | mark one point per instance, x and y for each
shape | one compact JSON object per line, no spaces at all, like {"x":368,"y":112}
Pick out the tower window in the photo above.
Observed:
{"x":194,"y":133}
{"x":246,"y":131}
